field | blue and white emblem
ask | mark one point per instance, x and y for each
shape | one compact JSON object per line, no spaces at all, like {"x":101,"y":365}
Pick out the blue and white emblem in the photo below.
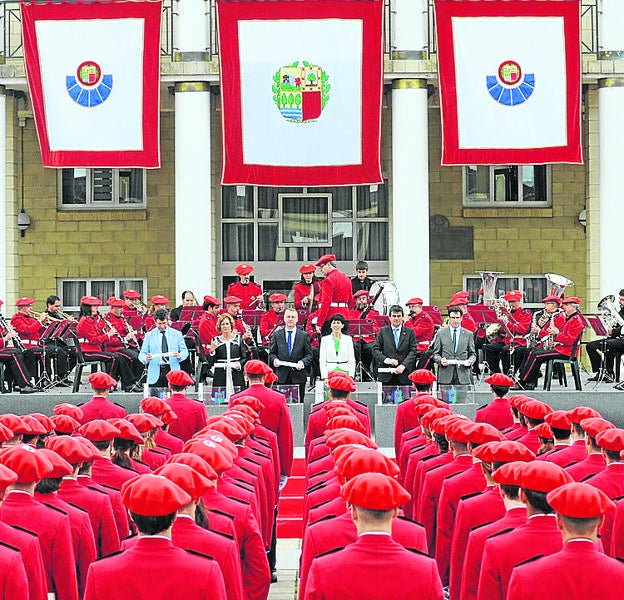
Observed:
{"x":89,"y":87}
{"x":510,"y":87}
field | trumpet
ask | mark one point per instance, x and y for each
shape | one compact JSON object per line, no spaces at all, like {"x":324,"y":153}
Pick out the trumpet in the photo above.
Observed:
{"x":141,"y":307}
{"x":43,"y":317}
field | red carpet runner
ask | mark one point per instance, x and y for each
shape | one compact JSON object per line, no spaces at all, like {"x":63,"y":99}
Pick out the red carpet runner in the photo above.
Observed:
{"x":290,"y":507}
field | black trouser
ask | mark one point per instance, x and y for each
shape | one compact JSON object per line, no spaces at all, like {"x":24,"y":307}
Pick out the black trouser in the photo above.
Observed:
{"x":608,"y":347}
{"x":364,"y":354}
{"x":65,"y":361}
{"x":13,"y":359}
{"x":534,"y":361}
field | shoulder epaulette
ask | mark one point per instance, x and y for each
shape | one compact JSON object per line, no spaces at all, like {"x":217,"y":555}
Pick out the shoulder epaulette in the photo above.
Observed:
{"x":5,"y":545}
{"x":330,"y":552}
{"x":418,"y":448}
{"x":481,"y":525}
{"x":223,"y":534}
{"x":588,"y":477}
{"x":221,"y":512}
{"x":319,"y":474}
{"x":242,"y":484}
{"x":569,"y":465}
{"x":436,"y":467}
{"x":246,"y":470}
{"x":156,"y":451}
{"x":317,"y":459}
{"x":141,"y":462}
{"x":528,"y":560}
{"x":120,"y":406}
{"x":317,"y":486}
{"x":28,"y":531}
{"x":78,"y":507}
{"x":620,"y":558}
{"x":108,"y":487}
{"x":322,"y":504}
{"x":500,"y":533}
{"x":466,"y":496}
{"x":264,"y":441}
{"x":426,"y":458}
{"x":324,"y":518}
{"x":413,"y":521}
{"x":252,"y":461}
{"x":483,"y":406}
{"x":617,"y":498}
{"x":94,"y":489}
{"x":416,"y":551}
{"x":56,"y":508}
{"x":452,"y":475}
{"x":109,"y":555}
{"x":198,"y":553}
{"x":239,"y":501}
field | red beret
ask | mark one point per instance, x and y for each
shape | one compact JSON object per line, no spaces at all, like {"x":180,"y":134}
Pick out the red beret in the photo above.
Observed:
{"x":461,"y":295}
{"x":307,"y":269}
{"x":343,"y":383}
{"x":345,"y":421}
{"x":424,"y":399}
{"x":144,"y":422}
{"x":159,"y":299}
{"x":195,"y":462}
{"x":535,"y":409}
{"x":462,"y":301}
{"x":112,"y":301}
{"x":64,"y":424}
{"x":179,"y":378}
{"x":154,"y":406}
{"x":187,"y":478}
{"x":207,"y":433}
{"x":153,"y":496}
{"x":270,"y":377}
{"x":364,"y":460}
{"x":232,"y":300}
{"x":595,"y":425}
{"x":459,"y":430}
{"x":14,"y":423}
{"x":428,"y":418}
{"x":577,"y":414}
{"x":131,"y":294}
{"x":101,"y":380}
{"x":571,"y":300}
{"x":44,"y":420}
{"x":243,"y":422}
{"x":414,"y":301}
{"x":277,"y":298}
{"x":422,"y":376}
{"x":91,"y":301}
{"x":7,"y":477}
{"x":374,"y":491}
{"x":442,"y":424}
{"x":70,"y":449}
{"x":334,"y":408}
{"x":513,"y":296}
{"x":230,"y":429}
{"x":243,"y":269}
{"x":544,"y":431}
{"x":168,"y":417}
{"x":218,"y":458}
{"x":325,"y":259}
{"x":256,"y":367}
{"x":36,"y":428}
{"x":481,"y":433}
{"x":361,"y":293}
{"x":509,"y":451}
{"x":5,"y":433}
{"x":611,"y":439}
{"x":247,"y":401}
{"x":245,"y":410}
{"x":509,"y":473}
{"x":94,"y":453}
{"x":517,"y":399}
{"x":553,"y":298}
{"x":558,"y":419}
{"x":212,"y":300}
{"x":99,"y":431}
{"x":71,"y":410}
{"x":24,"y":301}
{"x":542,"y":476}
{"x":29,"y":464}
{"x":59,"y":467}
{"x":127,"y":431}
{"x":580,"y":501}
{"x":340,"y":437}
{"x":501,"y":380}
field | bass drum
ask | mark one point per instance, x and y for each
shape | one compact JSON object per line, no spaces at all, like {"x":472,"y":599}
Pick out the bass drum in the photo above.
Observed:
{"x":388,"y":297}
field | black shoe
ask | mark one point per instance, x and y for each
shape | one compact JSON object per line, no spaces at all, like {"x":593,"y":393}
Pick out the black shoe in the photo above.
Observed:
{"x":517,"y":387}
{"x":27,"y":389}
{"x":595,"y":377}
{"x":274,"y":577}
{"x":529,"y":386}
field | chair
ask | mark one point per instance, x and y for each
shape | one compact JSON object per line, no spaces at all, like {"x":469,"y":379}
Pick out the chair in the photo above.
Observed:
{"x":560,"y":363}
{"x":81,"y":361}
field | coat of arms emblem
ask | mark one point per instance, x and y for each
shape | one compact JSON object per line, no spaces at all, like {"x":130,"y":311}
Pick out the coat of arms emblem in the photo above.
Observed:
{"x":301,"y":92}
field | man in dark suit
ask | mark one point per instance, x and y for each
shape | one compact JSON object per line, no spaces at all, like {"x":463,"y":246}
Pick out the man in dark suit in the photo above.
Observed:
{"x":395,"y":347}
{"x":291,"y":345}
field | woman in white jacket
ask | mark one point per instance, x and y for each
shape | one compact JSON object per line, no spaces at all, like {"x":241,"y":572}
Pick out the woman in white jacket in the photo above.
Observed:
{"x":336,"y":351}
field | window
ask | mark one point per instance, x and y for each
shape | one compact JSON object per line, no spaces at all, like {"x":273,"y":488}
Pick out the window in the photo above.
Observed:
{"x":534,"y":288}
{"x":506,"y":186}
{"x":101,"y":188}
{"x":71,"y":290}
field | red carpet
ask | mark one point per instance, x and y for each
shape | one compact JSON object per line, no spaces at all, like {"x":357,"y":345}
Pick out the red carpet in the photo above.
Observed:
{"x":290,"y":507}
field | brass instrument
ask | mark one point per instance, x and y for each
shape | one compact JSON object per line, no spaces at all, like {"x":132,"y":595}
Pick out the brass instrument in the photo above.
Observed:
{"x":488,"y":284}
{"x":558,"y":284}
{"x":43,"y":317}
{"x":609,"y":315}
{"x":141,"y":307}
{"x":549,"y":342}
{"x":10,"y":330}
{"x":499,"y":305}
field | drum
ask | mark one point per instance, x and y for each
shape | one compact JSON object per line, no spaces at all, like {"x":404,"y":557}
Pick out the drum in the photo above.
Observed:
{"x":388,"y":297}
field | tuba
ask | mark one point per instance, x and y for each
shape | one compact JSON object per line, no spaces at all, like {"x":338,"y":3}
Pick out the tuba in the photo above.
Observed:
{"x":609,"y":314}
{"x":558,"y":284}
{"x":488,"y":284}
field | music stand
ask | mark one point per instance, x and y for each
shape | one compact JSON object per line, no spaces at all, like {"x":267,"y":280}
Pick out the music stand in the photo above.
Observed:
{"x":290,"y":391}
{"x":190,"y":313}
{"x":600,"y":330}
{"x":362,"y":328}
{"x":434,"y":313}
{"x":46,"y":381}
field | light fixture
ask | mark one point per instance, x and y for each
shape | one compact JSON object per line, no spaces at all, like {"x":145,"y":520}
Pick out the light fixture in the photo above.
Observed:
{"x":23,"y":222}
{"x":582,"y":218}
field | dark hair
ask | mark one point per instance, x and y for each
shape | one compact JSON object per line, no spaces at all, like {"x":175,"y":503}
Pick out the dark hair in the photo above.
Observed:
{"x":454,"y":310}
{"x":162,"y":314}
{"x":101,"y":445}
{"x":621,"y":293}
{"x":85,"y":467}
{"x":533,"y":422}
{"x":361,"y":264}
{"x":576,"y":427}
{"x":538,"y":501}
{"x":255,"y":376}
{"x":207,"y":305}
{"x":185,"y":292}
{"x":613,"y":455}
{"x":119,"y":456}
{"x":423,"y":387}
{"x":511,"y":491}
{"x":201,"y":515}
{"x":85,"y":310}
{"x":560,"y":434}
{"x":337,"y":317}
{"x":152,"y":525}
{"x":52,"y":299}
{"x":314,"y":279}
{"x":177,"y":388}
{"x":49,"y":485}
{"x":441,"y":441}
{"x":338,"y":394}
{"x":375,"y":515}
{"x":581,"y":527}
{"x":395,"y":308}
{"x":500,"y":390}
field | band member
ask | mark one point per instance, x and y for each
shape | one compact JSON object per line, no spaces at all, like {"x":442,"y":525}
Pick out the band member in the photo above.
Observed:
{"x":610,"y":347}
{"x":273,"y":319}
{"x":188,"y":299}
{"x":363,"y":344}
{"x":361,"y":281}
{"x":306,"y":288}
{"x":233,"y":308}
{"x":541,"y":321}
{"x":134,"y":306}
{"x":424,"y":329}
{"x":514,"y":326}
{"x":125,"y":344}
{"x":53,"y":309}
{"x":249,"y":292}
{"x":156,"y":303}
{"x":336,"y":292}
{"x":13,"y":359}
{"x":207,"y":328}
{"x":227,"y":355}
{"x":564,"y":342}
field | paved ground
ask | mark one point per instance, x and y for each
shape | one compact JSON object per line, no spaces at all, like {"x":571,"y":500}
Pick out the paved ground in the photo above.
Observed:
{"x":288,"y":551}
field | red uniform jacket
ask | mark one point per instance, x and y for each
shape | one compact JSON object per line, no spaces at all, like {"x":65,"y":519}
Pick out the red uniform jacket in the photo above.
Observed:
{"x":186,"y":534}
{"x":155,"y":568}
{"x":301,"y":291}
{"x":100,"y":512}
{"x":422,"y":468}
{"x":465,"y":581}
{"x":516,"y":431}
{"x":28,"y":545}
{"x":13,"y":581}
{"x":250,"y":294}
{"x":519,"y":326}
{"x":336,"y":296}
{"x":406,"y":418}
{"x":468,"y":322}
{"x":498,"y":414}
{"x":617,"y":538}
{"x":28,"y":328}
{"x":115,"y":343}
{"x":530,"y":440}
{"x":269,"y":323}
{"x":171,"y":442}
{"x":90,"y":332}
{"x":423,"y":327}
{"x":376,"y":568}
{"x":594,"y":463}
{"x":54,"y":535}
{"x":411,"y":442}
{"x":539,"y":536}
{"x":567,"y":455}
{"x":338,"y":532}
{"x":119,"y":510}
{"x":207,"y":328}
{"x":106,"y":472}
{"x":578,"y":572}
{"x":417,"y":454}
{"x":100,"y":407}
{"x":276,"y":417}
{"x":191,"y":416}
{"x":570,"y":331}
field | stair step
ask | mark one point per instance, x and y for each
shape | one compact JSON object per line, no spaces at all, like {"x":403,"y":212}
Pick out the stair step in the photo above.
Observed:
{"x":289,"y":528}
{"x":298,"y":467}
{"x":294,"y":487}
{"x":290,"y":507}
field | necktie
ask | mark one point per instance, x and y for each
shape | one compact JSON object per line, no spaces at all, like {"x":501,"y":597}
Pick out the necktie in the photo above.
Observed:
{"x":290,"y":342}
{"x":455,"y":339}
{"x":164,"y":346}
{"x":396,"y":337}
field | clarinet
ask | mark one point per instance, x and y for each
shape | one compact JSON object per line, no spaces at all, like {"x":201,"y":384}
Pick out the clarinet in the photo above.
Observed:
{"x":17,"y":342}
